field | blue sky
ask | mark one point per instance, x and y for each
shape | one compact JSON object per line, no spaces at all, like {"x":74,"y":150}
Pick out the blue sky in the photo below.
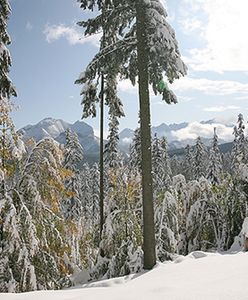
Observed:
{"x":48,"y":56}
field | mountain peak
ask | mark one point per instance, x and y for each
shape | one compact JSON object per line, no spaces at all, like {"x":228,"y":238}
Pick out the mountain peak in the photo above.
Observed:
{"x":56,"y":129}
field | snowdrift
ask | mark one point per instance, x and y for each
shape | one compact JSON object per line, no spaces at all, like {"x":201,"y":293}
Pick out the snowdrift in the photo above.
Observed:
{"x":198,"y":276}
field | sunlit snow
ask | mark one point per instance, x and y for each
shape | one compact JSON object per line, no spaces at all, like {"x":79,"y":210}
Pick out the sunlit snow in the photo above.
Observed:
{"x":198,"y":276}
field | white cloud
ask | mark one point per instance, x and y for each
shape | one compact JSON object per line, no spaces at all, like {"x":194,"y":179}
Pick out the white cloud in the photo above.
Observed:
{"x":195,"y":129}
{"x":228,"y":120}
{"x":206,"y":86}
{"x":97,"y":133}
{"x":127,"y":140}
{"x":184,"y":98}
{"x":224,"y":33}
{"x":191,"y":24}
{"x":221,"y":108}
{"x":210,"y":87}
{"x":245,"y":97}
{"x":71,"y":34}
{"x":127,"y":87}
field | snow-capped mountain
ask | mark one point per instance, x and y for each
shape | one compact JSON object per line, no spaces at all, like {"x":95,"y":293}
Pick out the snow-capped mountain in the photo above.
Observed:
{"x":56,"y":129}
{"x":178,"y":135}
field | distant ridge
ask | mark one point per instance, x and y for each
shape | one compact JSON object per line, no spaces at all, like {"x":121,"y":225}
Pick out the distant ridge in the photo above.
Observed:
{"x":56,"y":129}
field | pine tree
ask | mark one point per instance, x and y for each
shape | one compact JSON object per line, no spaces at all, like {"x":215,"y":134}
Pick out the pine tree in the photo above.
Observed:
{"x":167,"y":229}
{"x":215,"y":161}
{"x":197,"y":218}
{"x":187,"y":163}
{"x":161,"y":166}
{"x":73,"y":151}
{"x":179,"y":190}
{"x":7,"y":130}
{"x":122,"y":235}
{"x":19,"y":245}
{"x":239,"y":194}
{"x":137,"y":35}
{"x":165,"y":157}
{"x":199,"y":159}
{"x":112,"y":157}
{"x":135,"y":152}
{"x":175,"y":165}
{"x":72,"y":205}
{"x":238,"y":154}
{"x":6,"y":87}
{"x":102,"y":78}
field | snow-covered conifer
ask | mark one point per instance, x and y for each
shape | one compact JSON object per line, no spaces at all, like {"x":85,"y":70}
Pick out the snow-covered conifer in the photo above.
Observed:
{"x":112,"y":156}
{"x":215,"y":161}
{"x":73,"y":151}
{"x":72,"y":205}
{"x":167,"y":229}
{"x":137,"y":42}
{"x":122,"y":228}
{"x":6,"y":87}
{"x":7,"y":129}
{"x":238,"y":154}
{"x":160,"y":164}
{"x":175,"y":165}
{"x":199,"y":159}
{"x":187,"y":163}
{"x":135,"y":152}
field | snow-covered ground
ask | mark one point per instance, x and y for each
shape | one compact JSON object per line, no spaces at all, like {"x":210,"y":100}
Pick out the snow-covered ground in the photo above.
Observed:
{"x":198,"y":276}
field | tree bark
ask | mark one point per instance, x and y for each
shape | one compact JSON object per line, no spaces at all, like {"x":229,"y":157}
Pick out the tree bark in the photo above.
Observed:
{"x":101,"y":196}
{"x":145,"y":131}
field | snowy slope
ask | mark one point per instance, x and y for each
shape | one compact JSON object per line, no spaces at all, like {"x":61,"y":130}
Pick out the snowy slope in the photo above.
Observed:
{"x":199,"y":276}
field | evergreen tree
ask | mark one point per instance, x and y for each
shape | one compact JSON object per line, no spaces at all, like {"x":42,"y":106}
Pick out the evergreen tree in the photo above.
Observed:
{"x":166,"y":160}
{"x":167,"y":229}
{"x":122,"y":235}
{"x":7,"y":131}
{"x":187,"y":163}
{"x":197,"y":219}
{"x":6,"y":87}
{"x":147,"y":48}
{"x":135,"y":152}
{"x":103,"y":75}
{"x":175,"y":165}
{"x":19,"y":245}
{"x":72,"y":205}
{"x":179,"y":190}
{"x":161,"y":166}
{"x":73,"y":151}
{"x":215,"y":161}
{"x":199,"y":159}
{"x":238,"y":154}
{"x":112,"y":157}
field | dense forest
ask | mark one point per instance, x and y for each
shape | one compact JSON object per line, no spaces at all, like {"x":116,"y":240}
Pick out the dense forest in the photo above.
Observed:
{"x":50,"y":208}
{"x":60,"y":217}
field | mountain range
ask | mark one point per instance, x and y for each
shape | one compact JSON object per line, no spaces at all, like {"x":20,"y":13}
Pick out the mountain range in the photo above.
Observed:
{"x":178,"y":135}
{"x":56,"y":129}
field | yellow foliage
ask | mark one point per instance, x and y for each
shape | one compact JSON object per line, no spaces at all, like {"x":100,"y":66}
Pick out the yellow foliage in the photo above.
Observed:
{"x":65,"y":173}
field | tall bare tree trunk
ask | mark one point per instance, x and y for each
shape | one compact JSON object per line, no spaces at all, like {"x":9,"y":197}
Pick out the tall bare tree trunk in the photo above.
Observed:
{"x":145,"y":131}
{"x":101,"y":196}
